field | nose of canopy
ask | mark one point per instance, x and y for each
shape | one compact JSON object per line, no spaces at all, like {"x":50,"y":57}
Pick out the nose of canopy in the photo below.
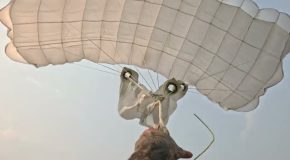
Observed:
{"x":230,"y":50}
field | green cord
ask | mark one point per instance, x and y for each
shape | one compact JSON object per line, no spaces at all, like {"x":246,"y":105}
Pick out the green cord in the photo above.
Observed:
{"x":212,"y":141}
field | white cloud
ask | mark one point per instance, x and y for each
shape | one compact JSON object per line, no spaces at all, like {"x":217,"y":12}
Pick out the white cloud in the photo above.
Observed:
{"x":34,"y":81}
{"x":8,"y":134}
{"x":249,"y":124}
{"x":44,"y":86}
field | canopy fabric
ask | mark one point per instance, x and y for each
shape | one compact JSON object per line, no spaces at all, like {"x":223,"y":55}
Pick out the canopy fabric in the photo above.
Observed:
{"x":230,"y":50}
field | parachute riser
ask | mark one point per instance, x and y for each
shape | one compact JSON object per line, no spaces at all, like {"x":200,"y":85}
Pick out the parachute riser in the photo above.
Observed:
{"x":128,"y":75}
{"x":152,"y":108}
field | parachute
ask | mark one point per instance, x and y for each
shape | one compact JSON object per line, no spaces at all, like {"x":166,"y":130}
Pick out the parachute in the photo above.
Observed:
{"x":230,"y":50}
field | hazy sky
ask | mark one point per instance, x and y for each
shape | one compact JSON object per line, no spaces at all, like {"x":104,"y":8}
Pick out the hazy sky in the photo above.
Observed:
{"x":69,"y":112}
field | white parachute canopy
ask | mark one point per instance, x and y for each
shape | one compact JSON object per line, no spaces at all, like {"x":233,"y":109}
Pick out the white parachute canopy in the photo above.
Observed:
{"x":230,"y":50}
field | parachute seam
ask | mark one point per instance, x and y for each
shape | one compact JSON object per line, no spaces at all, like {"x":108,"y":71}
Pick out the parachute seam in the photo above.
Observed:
{"x":264,"y":87}
{"x":11,"y":3}
{"x":184,"y":40}
{"x":129,"y":61}
{"x":145,"y":46}
{"x":237,"y":53}
{"x":148,"y":27}
{"x":82,"y":29}
{"x":252,"y":67}
{"x":202,"y":42}
{"x":210,"y":53}
{"x":11,"y":30}
{"x":62,"y":26}
{"x":169,"y":33}
{"x":134,"y":40}
{"x":191,"y":42}
{"x":116,"y":42}
{"x":167,"y":38}
{"x":116,"y":54}
{"x":38,"y":34}
{"x":277,"y":68}
{"x":101,"y":32}
{"x":240,"y":7}
{"x":146,"y":51}
{"x":230,"y":64}
{"x":191,"y":63}
{"x":169,"y":55}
